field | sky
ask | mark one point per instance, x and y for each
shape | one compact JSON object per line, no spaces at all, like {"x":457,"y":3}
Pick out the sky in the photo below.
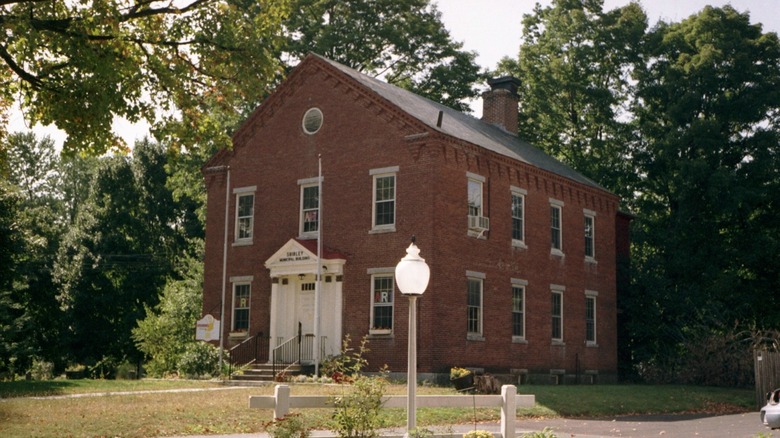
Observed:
{"x":492,"y":28}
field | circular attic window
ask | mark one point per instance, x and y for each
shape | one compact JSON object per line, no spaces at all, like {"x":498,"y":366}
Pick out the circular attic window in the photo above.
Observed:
{"x":312,"y":121}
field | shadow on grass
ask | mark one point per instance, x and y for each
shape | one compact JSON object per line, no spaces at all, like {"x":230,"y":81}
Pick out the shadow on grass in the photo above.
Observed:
{"x":35,"y":388}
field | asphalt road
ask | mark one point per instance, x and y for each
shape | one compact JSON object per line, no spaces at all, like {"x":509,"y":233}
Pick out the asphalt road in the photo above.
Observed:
{"x":745,"y":425}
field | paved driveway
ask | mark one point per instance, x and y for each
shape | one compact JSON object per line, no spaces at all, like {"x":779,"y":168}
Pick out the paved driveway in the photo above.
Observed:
{"x":727,"y":426}
{"x":746,"y":425}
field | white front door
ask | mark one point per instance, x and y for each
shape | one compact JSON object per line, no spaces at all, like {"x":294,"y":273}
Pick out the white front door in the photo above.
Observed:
{"x":304,"y":306}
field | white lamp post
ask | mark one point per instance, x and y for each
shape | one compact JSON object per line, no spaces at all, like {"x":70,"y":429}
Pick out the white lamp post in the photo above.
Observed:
{"x":411,"y":276}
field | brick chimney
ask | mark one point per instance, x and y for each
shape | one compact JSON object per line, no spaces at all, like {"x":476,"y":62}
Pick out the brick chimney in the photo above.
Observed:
{"x":499,"y":105}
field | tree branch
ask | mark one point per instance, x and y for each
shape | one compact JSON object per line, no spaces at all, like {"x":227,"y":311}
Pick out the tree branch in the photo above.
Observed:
{"x":22,"y":73}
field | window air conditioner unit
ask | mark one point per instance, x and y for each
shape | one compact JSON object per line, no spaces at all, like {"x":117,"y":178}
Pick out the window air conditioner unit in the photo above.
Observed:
{"x":479,"y":223}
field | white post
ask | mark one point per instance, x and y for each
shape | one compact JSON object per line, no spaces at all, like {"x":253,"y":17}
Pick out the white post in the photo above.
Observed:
{"x":282,"y":401}
{"x":411,"y":377}
{"x":508,"y":410}
{"x":224,"y":273}
{"x":318,"y":283}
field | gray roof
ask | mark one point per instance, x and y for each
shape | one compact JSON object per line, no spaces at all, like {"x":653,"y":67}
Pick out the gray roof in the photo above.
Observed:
{"x":465,"y":127}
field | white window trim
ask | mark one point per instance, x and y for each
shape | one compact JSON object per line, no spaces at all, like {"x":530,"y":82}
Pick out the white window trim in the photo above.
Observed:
{"x":558,"y":289}
{"x":380,"y":272}
{"x":516,"y":282}
{"x":380,"y":173}
{"x":517,"y":191}
{"x":304,"y":184}
{"x":595,"y":342}
{"x":479,"y":179}
{"x":480,"y":276}
{"x":555,"y":203}
{"x":240,"y":281}
{"x":238,"y":192}
{"x":591,"y":214}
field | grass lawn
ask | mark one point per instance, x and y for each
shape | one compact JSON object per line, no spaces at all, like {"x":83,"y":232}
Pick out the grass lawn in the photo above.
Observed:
{"x":225,"y":410}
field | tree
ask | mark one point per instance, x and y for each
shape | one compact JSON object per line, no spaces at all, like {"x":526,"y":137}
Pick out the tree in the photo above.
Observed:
{"x":574,"y":66}
{"x":706,"y":240}
{"x":403,"y":41}
{"x":118,"y":253}
{"x":167,"y":330}
{"x":34,"y":172}
{"x":80,"y":64}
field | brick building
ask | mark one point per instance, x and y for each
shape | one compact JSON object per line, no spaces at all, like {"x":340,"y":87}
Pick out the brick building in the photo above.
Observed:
{"x":522,"y":249}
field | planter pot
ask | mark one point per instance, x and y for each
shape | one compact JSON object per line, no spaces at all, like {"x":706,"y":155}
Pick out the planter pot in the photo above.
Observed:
{"x":463,"y":382}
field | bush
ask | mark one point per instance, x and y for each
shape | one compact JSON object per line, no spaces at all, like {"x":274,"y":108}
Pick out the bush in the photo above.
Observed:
{"x":357,"y":413}
{"x":42,"y":370}
{"x":200,"y":359}
{"x":478,"y":434}
{"x":291,"y":426}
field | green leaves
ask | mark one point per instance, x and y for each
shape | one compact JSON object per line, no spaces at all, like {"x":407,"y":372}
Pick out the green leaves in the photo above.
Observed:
{"x":83,"y":65}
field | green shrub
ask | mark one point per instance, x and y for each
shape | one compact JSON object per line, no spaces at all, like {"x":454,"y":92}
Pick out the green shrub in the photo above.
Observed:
{"x":291,"y":426}
{"x":357,"y":412}
{"x":546,"y":433}
{"x":200,"y":359}
{"x":478,"y":434}
{"x":42,"y":370}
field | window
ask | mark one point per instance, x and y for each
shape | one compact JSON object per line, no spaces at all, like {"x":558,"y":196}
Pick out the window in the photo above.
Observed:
{"x":478,"y":223}
{"x":590,"y":317}
{"x":382,"y":287}
{"x":474,"y":305}
{"x":557,"y":313}
{"x":475,"y":194}
{"x":245,"y":214}
{"x":312,"y":121}
{"x":590,"y":220}
{"x":518,"y":210}
{"x":556,"y":234}
{"x":241,"y":292}
{"x":518,"y":309}
{"x":310,"y":207}
{"x":384,"y":199}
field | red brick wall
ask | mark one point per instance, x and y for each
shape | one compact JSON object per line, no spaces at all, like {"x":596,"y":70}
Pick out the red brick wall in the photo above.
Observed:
{"x":359,"y":134}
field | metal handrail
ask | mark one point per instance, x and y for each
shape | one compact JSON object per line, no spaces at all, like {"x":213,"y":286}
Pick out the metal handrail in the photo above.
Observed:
{"x":250,"y":350}
{"x":290,"y":350}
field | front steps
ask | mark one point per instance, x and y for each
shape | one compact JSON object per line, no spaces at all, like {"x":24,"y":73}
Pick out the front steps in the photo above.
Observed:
{"x":259,"y":373}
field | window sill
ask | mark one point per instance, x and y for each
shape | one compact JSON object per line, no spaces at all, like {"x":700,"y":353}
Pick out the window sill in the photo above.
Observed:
{"x":245,"y":242}
{"x":379,"y":332}
{"x":477,"y":234}
{"x":556,"y":252}
{"x":591,"y":260}
{"x":592,"y":344}
{"x":558,"y":343}
{"x":238,"y":335}
{"x":519,"y":244}
{"x":519,"y":340}
{"x":308,"y":236}
{"x":382,"y":230}
{"x":474,"y":337}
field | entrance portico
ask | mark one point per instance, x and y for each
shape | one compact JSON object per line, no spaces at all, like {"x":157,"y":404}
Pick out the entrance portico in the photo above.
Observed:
{"x":294,"y":290}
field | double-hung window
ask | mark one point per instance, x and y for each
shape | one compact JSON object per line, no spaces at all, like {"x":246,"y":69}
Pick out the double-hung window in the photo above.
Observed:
{"x":590,"y":317}
{"x":478,"y":223}
{"x":241,"y":293}
{"x":474,"y":305}
{"x":556,"y":226}
{"x":590,"y":234}
{"x":382,"y":292}
{"x":556,"y":311}
{"x":383,"y":214}
{"x":518,"y":216}
{"x":310,"y":207}
{"x":245,"y":214}
{"x":518,"y":309}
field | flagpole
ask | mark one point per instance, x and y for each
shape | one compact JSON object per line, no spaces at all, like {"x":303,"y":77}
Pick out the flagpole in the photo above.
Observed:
{"x":319,"y":272}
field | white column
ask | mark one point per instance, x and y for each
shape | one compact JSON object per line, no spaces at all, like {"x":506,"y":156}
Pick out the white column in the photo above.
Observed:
{"x":272,"y":332}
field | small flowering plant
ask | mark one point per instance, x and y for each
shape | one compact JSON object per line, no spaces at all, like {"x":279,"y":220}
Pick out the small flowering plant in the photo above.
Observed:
{"x":478,"y":434}
{"x":457,"y":372}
